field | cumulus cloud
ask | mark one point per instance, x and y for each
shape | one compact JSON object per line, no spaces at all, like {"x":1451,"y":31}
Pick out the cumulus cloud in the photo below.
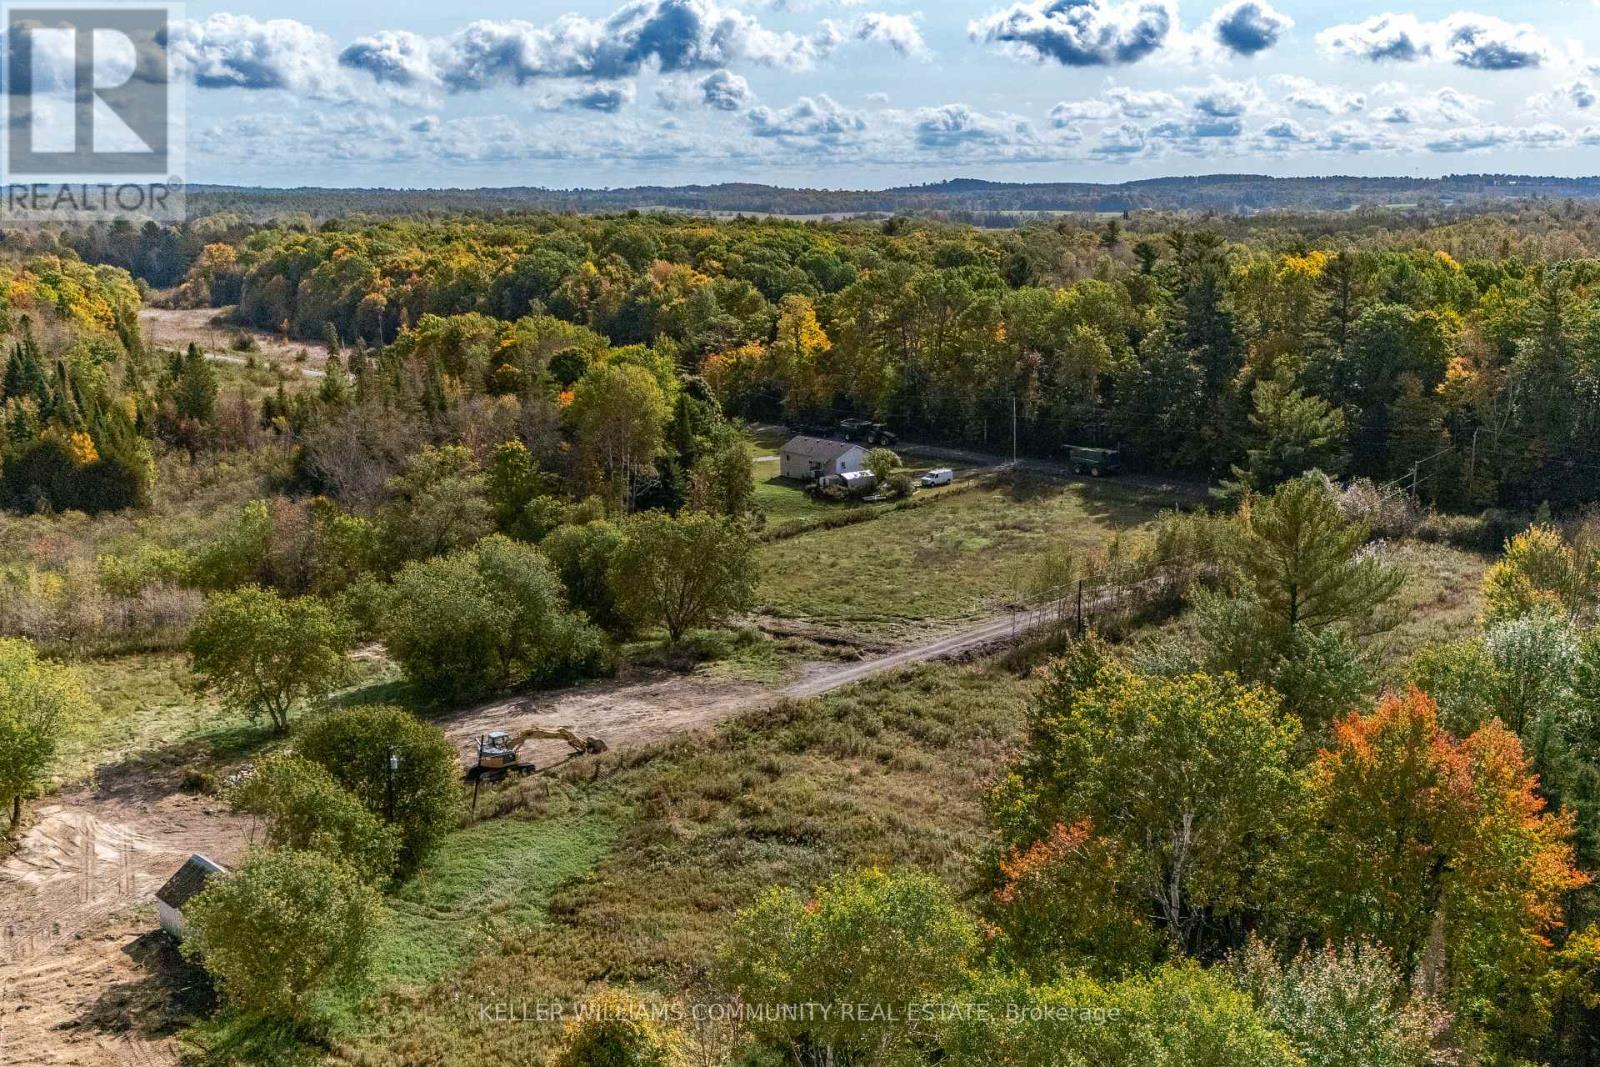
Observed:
{"x":899,"y":32}
{"x":240,"y":52}
{"x":1308,"y":95}
{"x":1142,"y":104}
{"x":1227,"y":99}
{"x":1069,"y":112}
{"x":1245,"y":27}
{"x":1079,"y":33}
{"x":820,"y":119}
{"x":953,"y":125}
{"x":674,"y":36}
{"x":724,"y":90}
{"x":605,"y":97}
{"x":1478,"y":42}
{"x":1493,"y":135}
{"x":1120,"y":142}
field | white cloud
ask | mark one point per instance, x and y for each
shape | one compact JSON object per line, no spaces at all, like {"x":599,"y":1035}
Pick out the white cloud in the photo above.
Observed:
{"x":1467,"y":39}
{"x":1246,"y":27}
{"x":1309,"y":95}
{"x":819,"y":119}
{"x":898,"y":32}
{"x":1079,"y":33}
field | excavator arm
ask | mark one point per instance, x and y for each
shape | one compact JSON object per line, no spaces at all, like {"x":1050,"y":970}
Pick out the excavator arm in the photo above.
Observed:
{"x":588,"y":746}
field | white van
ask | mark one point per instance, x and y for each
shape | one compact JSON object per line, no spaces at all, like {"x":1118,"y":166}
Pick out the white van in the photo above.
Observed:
{"x":937,"y":476}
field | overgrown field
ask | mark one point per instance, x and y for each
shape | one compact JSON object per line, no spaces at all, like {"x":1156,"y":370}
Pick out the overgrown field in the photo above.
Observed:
{"x":954,"y":560}
{"x":888,"y":773}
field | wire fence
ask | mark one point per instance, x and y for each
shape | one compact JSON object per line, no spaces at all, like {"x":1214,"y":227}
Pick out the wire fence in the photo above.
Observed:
{"x":1120,"y":590}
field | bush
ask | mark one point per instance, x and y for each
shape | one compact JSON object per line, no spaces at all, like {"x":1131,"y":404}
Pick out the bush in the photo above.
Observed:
{"x":307,"y":810}
{"x":582,"y":556}
{"x":1178,"y":1014}
{"x":491,"y":616}
{"x":281,"y":928}
{"x":421,"y":796}
{"x":616,"y":1030}
{"x":869,"y":938}
{"x":1339,"y":1007}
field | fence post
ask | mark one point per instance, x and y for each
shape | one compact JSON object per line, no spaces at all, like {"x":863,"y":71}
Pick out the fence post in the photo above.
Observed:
{"x":1080,"y":607}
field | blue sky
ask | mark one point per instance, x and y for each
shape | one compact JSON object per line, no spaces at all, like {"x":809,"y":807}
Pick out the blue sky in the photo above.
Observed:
{"x":868,"y":93}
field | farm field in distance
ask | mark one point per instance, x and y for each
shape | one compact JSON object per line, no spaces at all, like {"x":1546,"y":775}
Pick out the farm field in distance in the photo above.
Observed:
{"x":933,"y":566}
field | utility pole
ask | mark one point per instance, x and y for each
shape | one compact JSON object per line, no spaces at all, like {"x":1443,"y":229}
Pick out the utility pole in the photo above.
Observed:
{"x":1013,"y":429}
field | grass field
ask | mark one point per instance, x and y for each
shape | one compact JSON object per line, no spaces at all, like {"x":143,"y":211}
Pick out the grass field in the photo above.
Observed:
{"x":954,"y":560}
{"x":482,"y":891}
{"x":891,"y":773}
{"x":1441,"y":598}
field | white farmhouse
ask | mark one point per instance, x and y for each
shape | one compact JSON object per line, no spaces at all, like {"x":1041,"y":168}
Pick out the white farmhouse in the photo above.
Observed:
{"x":183,"y":885}
{"x":807,"y":458}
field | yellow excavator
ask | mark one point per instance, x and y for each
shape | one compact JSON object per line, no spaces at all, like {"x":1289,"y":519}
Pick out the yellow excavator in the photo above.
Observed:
{"x":497,"y":752}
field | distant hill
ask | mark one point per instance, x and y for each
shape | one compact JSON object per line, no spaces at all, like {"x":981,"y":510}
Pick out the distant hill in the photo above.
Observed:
{"x":1229,"y":193}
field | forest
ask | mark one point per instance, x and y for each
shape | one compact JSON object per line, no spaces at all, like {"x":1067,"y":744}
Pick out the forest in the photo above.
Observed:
{"x":1293,"y":758}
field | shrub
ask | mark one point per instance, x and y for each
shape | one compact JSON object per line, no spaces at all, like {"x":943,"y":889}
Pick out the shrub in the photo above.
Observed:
{"x":582,"y":556}
{"x":421,"y":795}
{"x":490,"y":616}
{"x":868,"y":938}
{"x":307,"y":810}
{"x":616,"y":1030}
{"x":281,"y":928}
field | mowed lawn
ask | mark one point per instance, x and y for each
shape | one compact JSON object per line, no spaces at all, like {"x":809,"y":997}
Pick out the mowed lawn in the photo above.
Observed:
{"x":926,"y":568}
{"x":785,"y":502}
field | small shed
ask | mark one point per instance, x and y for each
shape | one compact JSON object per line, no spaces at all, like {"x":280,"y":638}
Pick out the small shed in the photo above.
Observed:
{"x":180,"y":888}
{"x":806,"y":458}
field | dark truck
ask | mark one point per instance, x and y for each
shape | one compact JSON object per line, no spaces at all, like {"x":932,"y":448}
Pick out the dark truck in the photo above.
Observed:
{"x":866,"y":432}
{"x":1094,"y":461}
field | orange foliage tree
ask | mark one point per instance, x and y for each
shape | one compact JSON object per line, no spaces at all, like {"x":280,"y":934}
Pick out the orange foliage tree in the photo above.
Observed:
{"x":1441,"y":850}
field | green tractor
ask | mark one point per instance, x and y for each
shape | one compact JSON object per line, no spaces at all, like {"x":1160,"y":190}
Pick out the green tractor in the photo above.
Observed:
{"x":1094,"y":461}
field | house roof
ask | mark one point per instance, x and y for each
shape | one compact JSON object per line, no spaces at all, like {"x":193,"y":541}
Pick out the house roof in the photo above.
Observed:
{"x":820,"y":449}
{"x":187,"y":880}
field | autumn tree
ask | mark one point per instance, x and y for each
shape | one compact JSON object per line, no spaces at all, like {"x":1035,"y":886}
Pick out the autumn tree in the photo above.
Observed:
{"x":1185,"y":779}
{"x":1441,"y":851}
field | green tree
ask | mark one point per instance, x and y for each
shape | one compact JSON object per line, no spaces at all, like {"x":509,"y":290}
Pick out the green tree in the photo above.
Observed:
{"x":867,"y":938}
{"x":306,"y":810}
{"x":619,"y":416}
{"x":486,"y":617}
{"x":722,"y":480}
{"x":882,"y":463}
{"x":436,"y":505}
{"x":1540,"y":569}
{"x":194,"y":388}
{"x":401,"y":769}
{"x":264,"y":654}
{"x":39,"y":703}
{"x":1305,"y":566}
{"x":1185,"y":779}
{"x":682,"y":572}
{"x":582,"y":554}
{"x":282,"y":928}
{"x":1292,"y":433}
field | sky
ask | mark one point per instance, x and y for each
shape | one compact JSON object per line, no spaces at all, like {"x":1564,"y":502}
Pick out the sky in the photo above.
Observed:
{"x":875,"y":93}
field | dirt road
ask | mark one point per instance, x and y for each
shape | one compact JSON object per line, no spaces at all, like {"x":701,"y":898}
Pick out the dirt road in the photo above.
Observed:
{"x":78,"y":966}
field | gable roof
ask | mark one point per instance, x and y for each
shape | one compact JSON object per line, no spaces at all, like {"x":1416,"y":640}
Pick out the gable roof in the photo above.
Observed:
{"x":818,"y":449}
{"x":187,"y":880}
